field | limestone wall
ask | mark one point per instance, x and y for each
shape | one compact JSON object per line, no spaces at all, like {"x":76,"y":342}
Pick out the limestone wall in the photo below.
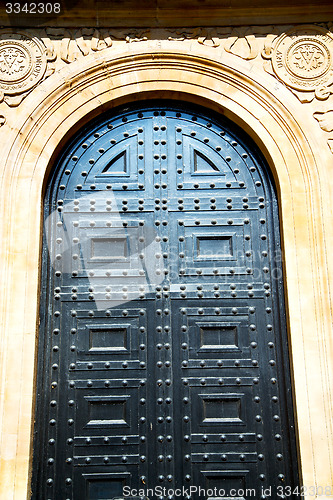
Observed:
{"x":275,"y":82}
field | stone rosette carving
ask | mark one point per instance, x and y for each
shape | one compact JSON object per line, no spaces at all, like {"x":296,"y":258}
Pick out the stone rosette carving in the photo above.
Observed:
{"x":302,"y":58}
{"x":22,"y":62}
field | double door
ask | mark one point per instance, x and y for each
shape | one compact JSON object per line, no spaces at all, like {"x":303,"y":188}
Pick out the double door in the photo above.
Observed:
{"x":163,"y":364}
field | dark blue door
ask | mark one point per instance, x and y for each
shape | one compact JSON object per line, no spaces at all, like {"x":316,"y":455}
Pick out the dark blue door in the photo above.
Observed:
{"x":163,"y":348}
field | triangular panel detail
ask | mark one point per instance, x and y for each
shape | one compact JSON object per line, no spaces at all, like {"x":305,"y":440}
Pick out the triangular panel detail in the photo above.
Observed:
{"x":202,"y":164}
{"x":118,"y":165}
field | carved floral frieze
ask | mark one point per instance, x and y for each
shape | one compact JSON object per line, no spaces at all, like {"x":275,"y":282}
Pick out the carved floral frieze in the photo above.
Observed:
{"x":243,"y":41}
{"x":204,"y":36}
{"x":300,"y":57}
{"x":28,"y":58}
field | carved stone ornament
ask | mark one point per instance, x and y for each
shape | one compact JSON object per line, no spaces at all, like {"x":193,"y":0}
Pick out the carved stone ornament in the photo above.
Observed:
{"x":23,"y":62}
{"x":303,"y":58}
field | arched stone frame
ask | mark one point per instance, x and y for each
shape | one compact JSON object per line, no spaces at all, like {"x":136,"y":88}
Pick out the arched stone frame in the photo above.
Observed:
{"x":301,"y":164}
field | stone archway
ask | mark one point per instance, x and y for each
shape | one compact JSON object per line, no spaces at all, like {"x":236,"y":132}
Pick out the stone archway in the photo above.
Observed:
{"x":274,"y":120}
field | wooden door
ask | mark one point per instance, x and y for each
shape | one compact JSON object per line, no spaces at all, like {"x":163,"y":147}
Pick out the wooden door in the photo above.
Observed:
{"x":163,"y":352}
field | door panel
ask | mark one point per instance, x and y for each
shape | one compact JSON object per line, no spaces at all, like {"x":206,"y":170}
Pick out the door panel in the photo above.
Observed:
{"x":163,"y":354}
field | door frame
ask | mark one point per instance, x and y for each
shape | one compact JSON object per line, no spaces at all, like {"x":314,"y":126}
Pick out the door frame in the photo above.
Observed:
{"x":275,"y":120}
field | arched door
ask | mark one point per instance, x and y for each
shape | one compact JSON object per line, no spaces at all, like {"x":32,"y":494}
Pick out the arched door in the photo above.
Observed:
{"x":163,"y":358}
